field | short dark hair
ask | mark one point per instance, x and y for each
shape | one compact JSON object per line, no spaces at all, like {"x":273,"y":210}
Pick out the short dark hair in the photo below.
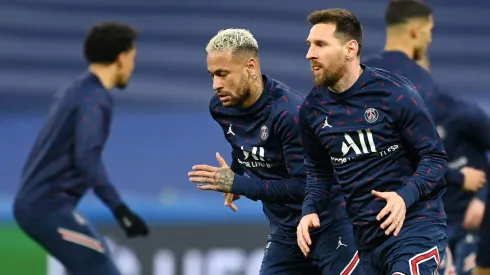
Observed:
{"x":347,"y":24}
{"x":106,"y":41}
{"x":400,"y":11}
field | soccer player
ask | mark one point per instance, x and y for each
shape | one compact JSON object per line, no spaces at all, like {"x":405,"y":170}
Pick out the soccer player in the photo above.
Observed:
{"x":458,"y":121}
{"x":259,"y":118}
{"x":65,"y":160}
{"x":483,"y":252}
{"x":382,"y":148}
{"x":409,"y":34}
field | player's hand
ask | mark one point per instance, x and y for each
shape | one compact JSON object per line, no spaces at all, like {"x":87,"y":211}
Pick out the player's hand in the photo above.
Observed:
{"x":131,"y":223}
{"x":215,"y":178}
{"x":474,"y":214}
{"x":395,"y":206}
{"x":303,"y":232}
{"x":473,"y":179}
{"x":229,"y":199}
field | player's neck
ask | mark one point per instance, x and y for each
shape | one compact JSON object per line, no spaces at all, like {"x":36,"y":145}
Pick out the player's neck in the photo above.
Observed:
{"x":399,"y":44}
{"x":255,"y":92}
{"x":354,"y":71}
{"x":105,"y":75}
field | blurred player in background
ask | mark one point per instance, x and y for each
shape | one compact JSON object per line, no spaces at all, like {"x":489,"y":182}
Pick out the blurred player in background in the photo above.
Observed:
{"x":459,"y":123}
{"x":65,"y":160}
{"x":259,"y":118}
{"x":409,"y":34}
{"x":382,"y":147}
{"x":465,"y":130}
{"x":483,"y":251}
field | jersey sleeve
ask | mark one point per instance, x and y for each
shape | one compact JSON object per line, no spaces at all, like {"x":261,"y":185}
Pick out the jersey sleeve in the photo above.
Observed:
{"x":419,"y":132}
{"x":319,"y":169}
{"x":92,"y":130}
{"x":455,"y":177}
{"x":289,"y":190}
{"x":476,"y":125}
{"x":482,"y":194}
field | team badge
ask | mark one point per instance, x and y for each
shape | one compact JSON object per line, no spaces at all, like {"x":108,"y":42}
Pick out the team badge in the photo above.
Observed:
{"x":371,"y":115}
{"x":264,"y":132}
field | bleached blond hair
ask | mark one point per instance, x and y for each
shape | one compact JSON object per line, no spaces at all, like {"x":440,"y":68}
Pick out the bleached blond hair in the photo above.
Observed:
{"x":234,"y":41}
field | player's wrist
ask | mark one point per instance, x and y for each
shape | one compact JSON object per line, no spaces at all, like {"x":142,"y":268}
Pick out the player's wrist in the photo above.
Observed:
{"x":244,"y":186}
{"x":409,"y":195}
{"x":308,"y":208}
{"x":458,"y":178}
{"x":121,"y":210}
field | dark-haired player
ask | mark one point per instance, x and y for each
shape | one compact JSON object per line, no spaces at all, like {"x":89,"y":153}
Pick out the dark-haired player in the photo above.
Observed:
{"x":462,"y":127}
{"x":483,"y":250}
{"x":409,"y":34}
{"x":259,"y":118}
{"x":382,"y":147}
{"x":65,"y":160}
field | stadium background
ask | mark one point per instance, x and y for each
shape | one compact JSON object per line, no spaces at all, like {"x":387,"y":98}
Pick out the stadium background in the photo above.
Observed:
{"x":161,"y":126}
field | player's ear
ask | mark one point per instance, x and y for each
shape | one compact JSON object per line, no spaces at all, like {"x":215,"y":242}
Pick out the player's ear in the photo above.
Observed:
{"x":414,"y":30}
{"x":351,"y":48}
{"x":252,"y":66}
{"x":120,"y":60}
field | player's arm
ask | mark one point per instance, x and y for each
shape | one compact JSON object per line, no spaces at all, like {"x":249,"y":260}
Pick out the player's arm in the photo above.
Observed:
{"x":454,"y":177}
{"x":482,"y":194}
{"x":476,"y":125}
{"x":418,"y":130}
{"x":91,"y":133}
{"x":319,"y":170}
{"x":281,"y":191}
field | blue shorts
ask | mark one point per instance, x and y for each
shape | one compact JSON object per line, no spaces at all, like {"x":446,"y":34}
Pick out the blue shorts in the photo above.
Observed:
{"x":460,"y":253}
{"x":333,"y":251}
{"x":417,"y":250}
{"x":483,"y":253}
{"x":69,"y":238}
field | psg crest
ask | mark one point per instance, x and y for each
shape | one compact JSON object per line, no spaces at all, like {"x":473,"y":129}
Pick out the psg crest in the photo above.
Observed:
{"x":264,"y":132}
{"x":371,"y":115}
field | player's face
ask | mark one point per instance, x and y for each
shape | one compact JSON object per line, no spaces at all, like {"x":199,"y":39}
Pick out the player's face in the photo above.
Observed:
{"x":125,"y":63}
{"x":423,"y":37}
{"x":230,"y":77}
{"x":326,"y":54}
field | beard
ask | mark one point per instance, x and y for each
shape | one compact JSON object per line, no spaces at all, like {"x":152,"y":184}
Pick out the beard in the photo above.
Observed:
{"x":121,"y":82}
{"x":328,"y":76}
{"x":420,"y":52}
{"x":417,"y":54}
{"x":241,"y":94}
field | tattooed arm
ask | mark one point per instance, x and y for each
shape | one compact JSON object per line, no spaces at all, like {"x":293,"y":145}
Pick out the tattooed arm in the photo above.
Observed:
{"x":213,"y":178}
{"x":221,"y":180}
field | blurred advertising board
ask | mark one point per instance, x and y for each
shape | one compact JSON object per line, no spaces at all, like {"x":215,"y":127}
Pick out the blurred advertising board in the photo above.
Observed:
{"x":215,"y":249}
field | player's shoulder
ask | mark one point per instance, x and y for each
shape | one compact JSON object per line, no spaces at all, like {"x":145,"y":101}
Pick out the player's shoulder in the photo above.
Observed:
{"x":374,"y":60}
{"x":392,"y":83}
{"x":282,"y":97}
{"x":463,"y":107}
{"x":315,"y":95}
{"x":86,"y":88}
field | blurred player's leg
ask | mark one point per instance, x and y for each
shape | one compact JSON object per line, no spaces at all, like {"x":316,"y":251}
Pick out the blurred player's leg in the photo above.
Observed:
{"x":483,"y":253}
{"x":447,"y":265}
{"x":334,"y":250}
{"x":285,"y":259}
{"x":465,"y":253}
{"x":68,"y":237}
